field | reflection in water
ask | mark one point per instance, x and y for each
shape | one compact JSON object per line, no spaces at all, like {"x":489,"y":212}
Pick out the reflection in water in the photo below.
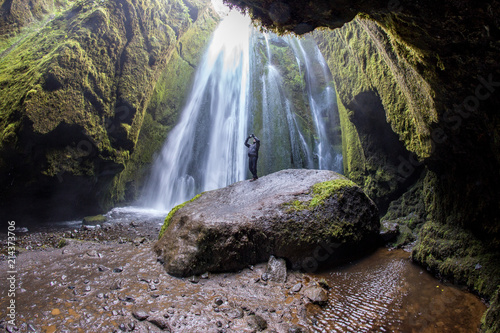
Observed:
{"x":386,"y":292}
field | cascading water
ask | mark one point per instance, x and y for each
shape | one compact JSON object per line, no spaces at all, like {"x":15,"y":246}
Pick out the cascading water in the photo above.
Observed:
{"x":241,"y":87}
{"x":204,"y":150}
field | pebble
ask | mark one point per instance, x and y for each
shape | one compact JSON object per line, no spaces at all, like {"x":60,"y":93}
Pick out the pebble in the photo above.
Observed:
{"x":296,"y":288}
{"x":160,"y":322}
{"x":140,"y":315}
{"x":236,"y":314}
{"x":257,"y":323}
{"x":117,"y":269}
{"x":194,"y":279}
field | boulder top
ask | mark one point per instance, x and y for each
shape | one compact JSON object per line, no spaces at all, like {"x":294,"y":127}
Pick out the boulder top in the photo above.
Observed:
{"x":246,"y":200}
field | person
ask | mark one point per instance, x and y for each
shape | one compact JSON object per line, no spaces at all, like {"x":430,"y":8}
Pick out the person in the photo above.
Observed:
{"x":253,"y":155}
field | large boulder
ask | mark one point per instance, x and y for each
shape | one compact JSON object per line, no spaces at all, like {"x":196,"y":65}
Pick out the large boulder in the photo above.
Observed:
{"x":311,"y":218}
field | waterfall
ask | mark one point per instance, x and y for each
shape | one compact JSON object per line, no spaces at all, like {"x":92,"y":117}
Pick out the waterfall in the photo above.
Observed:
{"x":240,"y":87}
{"x":204,"y":150}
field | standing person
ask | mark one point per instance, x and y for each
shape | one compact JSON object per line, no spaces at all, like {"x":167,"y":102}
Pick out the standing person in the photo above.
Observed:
{"x":253,"y":155}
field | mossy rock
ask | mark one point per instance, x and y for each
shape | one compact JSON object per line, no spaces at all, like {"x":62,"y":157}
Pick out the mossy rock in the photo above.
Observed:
{"x":94,"y":220}
{"x":246,"y":222}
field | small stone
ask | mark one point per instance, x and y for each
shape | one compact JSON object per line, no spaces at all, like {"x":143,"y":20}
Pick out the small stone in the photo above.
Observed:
{"x":161,"y":323}
{"x":219,"y":323}
{"x":316,"y":294}
{"x":236,"y":313}
{"x":204,"y":275}
{"x":296,"y":288}
{"x":219,"y":301}
{"x":118,"y":270}
{"x":276,"y":270}
{"x":87,"y":288}
{"x":102,"y":268}
{"x":257,"y":323}
{"x":194,"y":279}
{"x":140,"y":315}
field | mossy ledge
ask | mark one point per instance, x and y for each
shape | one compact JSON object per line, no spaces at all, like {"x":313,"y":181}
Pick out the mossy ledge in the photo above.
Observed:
{"x":168,"y":219}
{"x":320,"y":192}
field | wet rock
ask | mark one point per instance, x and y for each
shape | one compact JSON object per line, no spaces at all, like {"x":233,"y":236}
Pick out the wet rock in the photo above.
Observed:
{"x":257,"y":323}
{"x":389,"y":231}
{"x":140,"y":315}
{"x":252,"y":221}
{"x":194,"y":279}
{"x":295,"y":329}
{"x":94,"y":220}
{"x":323,"y":284}
{"x":276,"y":270}
{"x":102,"y":268}
{"x":296,"y":288}
{"x":316,"y":294}
{"x":160,"y":322}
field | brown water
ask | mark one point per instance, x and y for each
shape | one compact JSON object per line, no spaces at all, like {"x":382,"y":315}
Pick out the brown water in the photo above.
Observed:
{"x":386,"y":292}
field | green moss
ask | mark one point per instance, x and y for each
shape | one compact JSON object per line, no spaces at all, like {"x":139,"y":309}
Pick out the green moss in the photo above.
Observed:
{"x":491,"y":319}
{"x":97,"y":219}
{"x":168,"y":219}
{"x":320,"y":192}
{"x":457,"y":254}
{"x":324,"y":190}
{"x":62,"y":243}
{"x":352,"y":151}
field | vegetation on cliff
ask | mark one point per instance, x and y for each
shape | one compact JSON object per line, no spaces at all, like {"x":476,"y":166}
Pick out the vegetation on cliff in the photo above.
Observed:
{"x":75,"y":92}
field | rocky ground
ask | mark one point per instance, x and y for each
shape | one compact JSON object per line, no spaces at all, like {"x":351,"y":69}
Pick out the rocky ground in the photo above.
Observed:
{"x":108,"y":280}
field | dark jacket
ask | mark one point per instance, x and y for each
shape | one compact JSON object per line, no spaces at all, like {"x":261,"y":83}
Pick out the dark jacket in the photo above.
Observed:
{"x":253,"y":149}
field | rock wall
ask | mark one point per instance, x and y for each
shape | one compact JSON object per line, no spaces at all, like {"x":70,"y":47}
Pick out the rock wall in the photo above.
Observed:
{"x":75,"y":90}
{"x":418,"y":94}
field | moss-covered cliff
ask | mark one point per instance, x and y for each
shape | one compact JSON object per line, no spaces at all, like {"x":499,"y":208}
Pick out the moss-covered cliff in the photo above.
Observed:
{"x":418,"y":93}
{"x":75,"y":86}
